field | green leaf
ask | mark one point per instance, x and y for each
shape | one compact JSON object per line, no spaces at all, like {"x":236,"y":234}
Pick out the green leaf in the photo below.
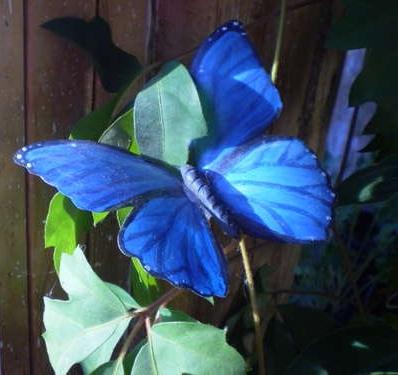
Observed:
{"x":64,"y":225}
{"x":366,"y":23}
{"x":122,"y":214}
{"x":169,"y":315}
{"x":187,"y":348}
{"x":168,"y":115}
{"x":116,"y":68}
{"x":89,"y":324}
{"x":99,"y":216}
{"x":95,"y":123}
{"x":120,"y":133}
{"x":369,"y":185}
{"x":354,"y":350}
{"x":144,"y":287}
{"x":110,"y":368}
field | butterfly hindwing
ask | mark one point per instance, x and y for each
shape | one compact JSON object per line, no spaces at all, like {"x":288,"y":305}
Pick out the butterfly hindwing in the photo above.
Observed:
{"x":274,"y":187}
{"x":94,"y":176}
{"x":172,"y":239}
{"x":239,"y":94}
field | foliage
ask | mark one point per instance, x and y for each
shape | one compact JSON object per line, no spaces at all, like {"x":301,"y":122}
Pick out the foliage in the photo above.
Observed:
{"x":301,"y":338}
{"x":87,"y":327}
{"x":161,"y":111}
{"x":373,"y":25}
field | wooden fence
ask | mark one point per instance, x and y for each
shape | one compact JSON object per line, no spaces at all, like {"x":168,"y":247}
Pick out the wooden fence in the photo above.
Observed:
{"x":47,"y":84}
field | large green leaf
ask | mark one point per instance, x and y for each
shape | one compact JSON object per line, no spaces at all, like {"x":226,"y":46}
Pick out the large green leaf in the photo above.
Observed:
{"x":366,"y":23}
{"x":120,"y":133}
{"x":187,"y":348}
{"x":116,"y":68}
{"x":168,"y":115}
{"x":64,"y":226}
{"x":377,"y":183}
{"x":352,"y":351}
{"x":89,"y":324}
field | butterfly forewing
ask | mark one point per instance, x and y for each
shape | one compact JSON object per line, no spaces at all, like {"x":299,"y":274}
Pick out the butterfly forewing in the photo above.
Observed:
{"x":94,"y":176}
{"x":240,"y":98}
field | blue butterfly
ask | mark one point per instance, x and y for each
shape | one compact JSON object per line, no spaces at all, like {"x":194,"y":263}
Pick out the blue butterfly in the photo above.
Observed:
{"x":263,"y":186}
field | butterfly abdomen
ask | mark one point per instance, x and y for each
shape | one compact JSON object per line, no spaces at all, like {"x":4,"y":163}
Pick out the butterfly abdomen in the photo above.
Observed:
{"x":199,"y":191}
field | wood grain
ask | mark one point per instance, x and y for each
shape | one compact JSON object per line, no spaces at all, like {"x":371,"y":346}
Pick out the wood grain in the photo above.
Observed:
{"x":58,"y":92}
{"x":14,"y":309}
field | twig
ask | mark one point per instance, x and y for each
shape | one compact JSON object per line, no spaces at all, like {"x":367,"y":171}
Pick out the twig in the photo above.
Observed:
{"x":160,"y":302}
{"x":279,"y":38}
{"x":254,"y":306}
{"x":143,"y":315}
{"x":129,"y":340}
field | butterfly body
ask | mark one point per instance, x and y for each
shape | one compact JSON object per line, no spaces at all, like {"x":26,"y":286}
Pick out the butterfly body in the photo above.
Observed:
{"x":268,"y":187}
{"x":198,"y":189}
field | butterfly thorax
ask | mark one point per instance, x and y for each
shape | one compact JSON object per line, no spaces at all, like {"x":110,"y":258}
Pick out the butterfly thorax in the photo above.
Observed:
{"x":198,"y":190}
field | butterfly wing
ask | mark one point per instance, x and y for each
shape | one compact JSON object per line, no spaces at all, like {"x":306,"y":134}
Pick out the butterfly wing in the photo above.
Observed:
{"x":274,"y":187}
{"x":94,"y":176}
{"x":239,"y":94}
{"x":172,"y":239}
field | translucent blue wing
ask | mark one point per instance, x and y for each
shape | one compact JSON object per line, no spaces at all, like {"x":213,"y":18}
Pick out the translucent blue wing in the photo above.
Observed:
{"x":239,"y":94}
{"x":274,"y":187}
{"x":172,"y":239}
{"x":94,"y":176}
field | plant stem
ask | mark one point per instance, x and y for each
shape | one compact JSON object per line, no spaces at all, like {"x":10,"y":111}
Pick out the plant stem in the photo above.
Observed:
{"x":279,"y":38}
{"x":160,"y":302}
{"x":254,"y":306}
{"x":130,"y":338}
{"x":143,"y":316}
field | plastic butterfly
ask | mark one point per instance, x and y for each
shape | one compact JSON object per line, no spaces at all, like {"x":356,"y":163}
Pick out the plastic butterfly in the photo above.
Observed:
{"x":263,"y":186}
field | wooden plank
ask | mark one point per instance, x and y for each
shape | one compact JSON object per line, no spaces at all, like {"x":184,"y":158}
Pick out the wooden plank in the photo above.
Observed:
{"x":59,"y":92}
{"x":14,"y":310}
{"x":129,"y":25}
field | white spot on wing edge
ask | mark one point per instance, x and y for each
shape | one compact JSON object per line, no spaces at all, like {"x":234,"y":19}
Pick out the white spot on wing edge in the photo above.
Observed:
{"x":24,"y":149}
{"x":28,"y":165}
{"x":19,"y":156}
